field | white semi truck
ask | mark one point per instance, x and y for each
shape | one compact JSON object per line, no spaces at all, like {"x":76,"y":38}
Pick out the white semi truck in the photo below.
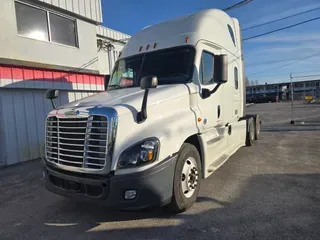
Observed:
{"x":173,"y":113}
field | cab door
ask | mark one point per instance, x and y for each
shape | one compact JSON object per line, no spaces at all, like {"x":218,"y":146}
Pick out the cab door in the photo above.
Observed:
{"x":213,"y":109}
{"x":210,"y":107}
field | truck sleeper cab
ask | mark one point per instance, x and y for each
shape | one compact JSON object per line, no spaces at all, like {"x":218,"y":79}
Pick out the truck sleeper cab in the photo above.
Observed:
{"x":173,"y":113}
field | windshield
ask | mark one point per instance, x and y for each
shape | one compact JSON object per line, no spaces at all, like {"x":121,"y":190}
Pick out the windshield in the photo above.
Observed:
{"x":171,"y":66}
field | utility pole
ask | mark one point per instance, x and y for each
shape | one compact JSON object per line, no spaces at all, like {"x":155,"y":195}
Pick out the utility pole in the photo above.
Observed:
{"x":239,"y":4}
{"x":292,"y":116}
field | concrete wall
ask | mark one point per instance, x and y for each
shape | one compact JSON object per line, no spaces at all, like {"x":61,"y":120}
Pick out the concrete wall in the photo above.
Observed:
{"x":14,"y":49}
{"x":22,"y":122}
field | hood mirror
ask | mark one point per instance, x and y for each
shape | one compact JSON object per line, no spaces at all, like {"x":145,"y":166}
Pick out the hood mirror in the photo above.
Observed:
{"x":145,"y":84}
{"x":52,"y":94}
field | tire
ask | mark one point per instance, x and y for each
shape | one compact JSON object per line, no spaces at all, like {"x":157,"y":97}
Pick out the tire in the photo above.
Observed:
{"x":250,"y":132}
{"x":188,"y":159}
{"x":257,"y":126}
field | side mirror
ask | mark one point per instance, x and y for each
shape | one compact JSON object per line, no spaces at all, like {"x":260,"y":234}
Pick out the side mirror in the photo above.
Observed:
{"x":146,"y":83}
{"x":149,"y":82}
{"x":52,"y":94}
{"x":220,"y":74}
{"x":205,"y":93}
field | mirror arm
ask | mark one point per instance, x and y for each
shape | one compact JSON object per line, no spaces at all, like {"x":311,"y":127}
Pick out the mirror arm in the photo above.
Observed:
{"x":142,"y":115}
{"x":215,"y":88}
{"x":53,"y":104}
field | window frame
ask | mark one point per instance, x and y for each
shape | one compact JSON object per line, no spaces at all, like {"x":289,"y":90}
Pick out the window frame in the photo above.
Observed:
{"x":48,"y":11}
{"x":236,"y":78}
{"x":201,"y":68}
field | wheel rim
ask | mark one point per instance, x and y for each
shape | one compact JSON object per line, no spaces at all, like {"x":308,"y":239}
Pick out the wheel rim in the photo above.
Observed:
{"x":189,"y":177}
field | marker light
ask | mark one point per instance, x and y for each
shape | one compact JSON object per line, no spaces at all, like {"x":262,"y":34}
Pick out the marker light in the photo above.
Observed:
{"x":148,"y":46}
{"x":155,"y":45}
{"x":187,"y":39}
{"x":140,"y":49}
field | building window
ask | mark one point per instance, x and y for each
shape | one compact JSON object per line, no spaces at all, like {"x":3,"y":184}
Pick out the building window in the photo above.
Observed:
{"x":63,"y":30}
{"x":206,"y":68}
{"x":232,"y":35}
{"x":236,"y":78}
{"x":33,"y":22}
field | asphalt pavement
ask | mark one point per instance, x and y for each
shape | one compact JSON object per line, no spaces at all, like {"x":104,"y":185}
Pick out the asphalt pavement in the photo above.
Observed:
{"x":268,"y":191}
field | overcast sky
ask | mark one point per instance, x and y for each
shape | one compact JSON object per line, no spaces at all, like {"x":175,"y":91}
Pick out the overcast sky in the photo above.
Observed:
{"x":261,"y":54}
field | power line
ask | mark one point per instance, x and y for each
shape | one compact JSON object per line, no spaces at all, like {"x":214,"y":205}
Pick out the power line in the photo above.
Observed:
{"x":280,"y":19}
{"x":239,"y":4}
{"x":282,"y":74}
{"x":280,"y":29}
{"x":269,"y":62}
{"x":301,"y":59}
{"x":313,"y":75}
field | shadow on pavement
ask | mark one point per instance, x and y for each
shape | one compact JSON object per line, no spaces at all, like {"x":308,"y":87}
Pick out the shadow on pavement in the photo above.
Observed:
{"x":289,"y":129}
{"x":270,"y":206}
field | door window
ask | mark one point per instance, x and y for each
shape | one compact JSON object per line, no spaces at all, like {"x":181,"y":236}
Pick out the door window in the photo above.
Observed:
{"x":206,"y":68}
{"x":236,"y":78}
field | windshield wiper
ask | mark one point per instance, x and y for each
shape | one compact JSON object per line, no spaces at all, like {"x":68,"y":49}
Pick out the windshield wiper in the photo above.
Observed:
{"x":113,"y":86}
{"x":118,"y":87}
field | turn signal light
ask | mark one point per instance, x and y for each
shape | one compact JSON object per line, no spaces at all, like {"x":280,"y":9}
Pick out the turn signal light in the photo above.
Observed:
{"x":150,"y":155}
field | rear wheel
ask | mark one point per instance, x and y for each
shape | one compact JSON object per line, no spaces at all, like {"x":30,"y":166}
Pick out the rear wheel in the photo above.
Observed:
{"x":187,"y":179}
{"x":250,"y":132}
{"x":257,"y":126}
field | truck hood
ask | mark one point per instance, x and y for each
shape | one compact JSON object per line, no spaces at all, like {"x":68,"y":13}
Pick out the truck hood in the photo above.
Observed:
{"x":123,"y":100}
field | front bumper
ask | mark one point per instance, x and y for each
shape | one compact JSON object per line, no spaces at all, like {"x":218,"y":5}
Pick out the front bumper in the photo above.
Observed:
{"x":153,"y":186}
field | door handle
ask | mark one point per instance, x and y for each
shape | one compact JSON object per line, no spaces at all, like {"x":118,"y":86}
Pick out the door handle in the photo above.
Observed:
{"x":219,"y":111}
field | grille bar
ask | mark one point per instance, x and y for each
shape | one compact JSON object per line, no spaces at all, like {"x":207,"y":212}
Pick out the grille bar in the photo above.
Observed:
{"x":72,"y":162}
{"x":77,"y":142}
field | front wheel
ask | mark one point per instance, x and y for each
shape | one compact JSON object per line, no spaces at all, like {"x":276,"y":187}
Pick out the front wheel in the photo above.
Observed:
{"x":187,"y":179}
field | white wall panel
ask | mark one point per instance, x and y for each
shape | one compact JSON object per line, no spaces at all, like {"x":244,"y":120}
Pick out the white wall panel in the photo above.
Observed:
{"x":76,"y":7}
{"x":69,"y":5}
{"x":63,"y":4}
{"x":110,"y":33}
{"x":22,"y":122}
{"x":92,"y":7}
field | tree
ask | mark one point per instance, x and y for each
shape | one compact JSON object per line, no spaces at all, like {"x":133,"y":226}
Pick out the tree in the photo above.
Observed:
{"x":247,"y":82}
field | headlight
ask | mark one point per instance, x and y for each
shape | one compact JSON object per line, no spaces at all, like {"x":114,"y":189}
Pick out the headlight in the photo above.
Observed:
{"x":139,"y":154}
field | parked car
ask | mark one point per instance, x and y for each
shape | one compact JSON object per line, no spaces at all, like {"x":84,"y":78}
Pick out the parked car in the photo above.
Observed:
{"x":262,"y":98}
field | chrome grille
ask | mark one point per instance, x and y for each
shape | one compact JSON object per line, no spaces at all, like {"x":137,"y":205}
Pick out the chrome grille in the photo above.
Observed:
{"x":77,"y":142}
